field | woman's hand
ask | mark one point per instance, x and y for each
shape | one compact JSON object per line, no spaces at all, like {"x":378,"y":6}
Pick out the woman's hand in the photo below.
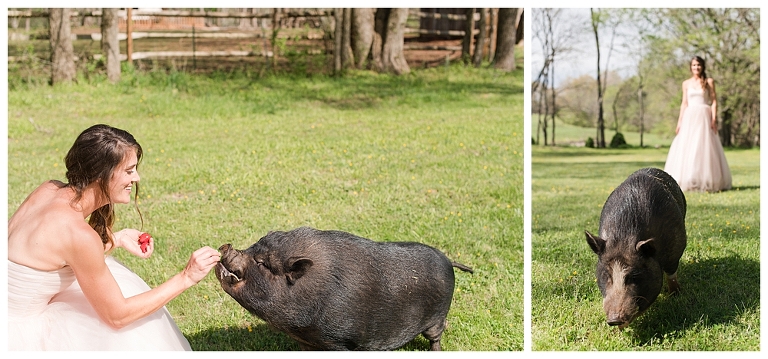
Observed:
{"x":200,"y":263}
{"x":128,"y":239}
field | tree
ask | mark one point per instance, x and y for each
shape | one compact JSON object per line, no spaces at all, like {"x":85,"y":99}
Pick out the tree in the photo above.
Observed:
{"x":347,"y":59}
{"x":620,"y":104}
{"x":505,"y":40}
{"x":110,"y":45}
{"x":469,"y":28}
{"x":362,"y":35}
{"x":598,"y":19}
{"x":729,"y":41}
{"x":62,"y":52}
{"x":392,"y":59}
{"x":477,"y":58}
{"x":338,"y":34}
{"x":555,"y":33}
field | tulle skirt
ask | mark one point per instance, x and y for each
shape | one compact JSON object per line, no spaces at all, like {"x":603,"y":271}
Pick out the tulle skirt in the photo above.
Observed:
{"x":69,"y":322}
{"x":696,"y":159}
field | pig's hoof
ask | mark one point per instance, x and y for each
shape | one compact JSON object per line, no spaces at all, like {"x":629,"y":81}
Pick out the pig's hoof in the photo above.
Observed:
{"x":674,"y":288}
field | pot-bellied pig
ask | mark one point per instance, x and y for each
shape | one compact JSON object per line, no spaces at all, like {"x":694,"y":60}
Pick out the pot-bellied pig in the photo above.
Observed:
{"x":642,"y":234}
{"x":331,"y":290}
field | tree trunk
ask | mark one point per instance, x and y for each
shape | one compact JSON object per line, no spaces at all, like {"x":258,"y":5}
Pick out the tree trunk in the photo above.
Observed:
{"x":505,"y":40}
{"x":275,"y":30}
{"x":554,"y":93}
{"x":480,"y":44}
{"x":347,"y":59}
{"x":642,"y":113}
{"x":600,"y":140}
{"x":62,"y":53}
{"x":520,"y":26}
{"x":362,"y":35}
{"x":110,"y":45}
{"x":492,"y":37}
{"x":338,"y":17}
{"x":392,"y":57}
{"x":379,"y":34}
{"x":466,"y":44}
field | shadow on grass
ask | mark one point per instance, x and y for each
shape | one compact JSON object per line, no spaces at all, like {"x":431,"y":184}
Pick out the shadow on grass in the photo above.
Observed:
{"x":262,"y":337}
{"x":587,"y":170}
{"x":567,"y":152}
{"x":714,"y":292}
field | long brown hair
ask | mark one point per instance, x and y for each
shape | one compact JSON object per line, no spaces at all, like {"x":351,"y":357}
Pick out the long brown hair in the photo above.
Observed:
{"x":703,"y":75}
{"x":94,"y":156}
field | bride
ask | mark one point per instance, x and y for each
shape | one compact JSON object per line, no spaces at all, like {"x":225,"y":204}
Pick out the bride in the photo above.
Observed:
{"x":696,"y":159}
{"x":64,"y":290}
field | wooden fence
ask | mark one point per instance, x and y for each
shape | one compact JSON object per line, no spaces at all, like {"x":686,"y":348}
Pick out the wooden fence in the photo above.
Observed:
{"x":444,"y":23}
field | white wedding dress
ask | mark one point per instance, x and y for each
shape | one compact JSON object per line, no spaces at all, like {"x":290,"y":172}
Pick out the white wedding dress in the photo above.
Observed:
{"x":696,"y":159}
{"x":47,"y":310}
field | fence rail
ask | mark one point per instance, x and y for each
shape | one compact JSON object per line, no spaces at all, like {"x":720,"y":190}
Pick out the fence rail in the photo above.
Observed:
{"x":176,"y":13}
{"x":146,"y":14}
{"x":224,"y":14}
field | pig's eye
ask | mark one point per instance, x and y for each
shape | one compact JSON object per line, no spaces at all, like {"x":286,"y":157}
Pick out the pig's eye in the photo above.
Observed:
{"x":607,"y":278}
{"x":633,"y":277}
{"x":260,"y":262}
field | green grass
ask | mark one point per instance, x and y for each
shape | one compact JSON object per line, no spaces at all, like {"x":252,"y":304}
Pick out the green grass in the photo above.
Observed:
{"x":718,"y":308}
{"x":570,"y":135}
{"x":433,"y":157}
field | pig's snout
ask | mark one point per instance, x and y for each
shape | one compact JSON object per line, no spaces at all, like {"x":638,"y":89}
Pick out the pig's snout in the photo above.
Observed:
{"x":225,"y":274}
{"x":614,"y":319}
{"x":621,"y":318}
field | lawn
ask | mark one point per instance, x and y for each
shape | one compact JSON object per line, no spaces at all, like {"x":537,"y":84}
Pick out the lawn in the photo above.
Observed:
{"x":718,"y":309}
{"x":570,"y":135}
{"x":433,"y":157}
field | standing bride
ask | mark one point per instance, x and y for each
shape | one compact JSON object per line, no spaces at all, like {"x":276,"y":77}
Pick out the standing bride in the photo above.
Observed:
{"x":696,"y":159}
{"x":65,"y":292}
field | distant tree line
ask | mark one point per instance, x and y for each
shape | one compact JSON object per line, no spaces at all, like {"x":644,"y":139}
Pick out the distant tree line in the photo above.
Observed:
{"x":661,"y":43}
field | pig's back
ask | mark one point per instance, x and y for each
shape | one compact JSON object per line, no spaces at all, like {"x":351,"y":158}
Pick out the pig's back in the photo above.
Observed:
{"x":648,"y":204}
{"x":394,"y":290}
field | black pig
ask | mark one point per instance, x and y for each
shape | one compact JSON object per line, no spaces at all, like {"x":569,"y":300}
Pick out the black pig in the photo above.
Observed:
{"x":331,"y":290}
{"x":642,"y":234}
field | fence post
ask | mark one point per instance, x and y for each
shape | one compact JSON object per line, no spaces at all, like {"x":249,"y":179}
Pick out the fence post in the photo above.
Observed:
{"x":129,"y":34}
{"x":194,"y":54}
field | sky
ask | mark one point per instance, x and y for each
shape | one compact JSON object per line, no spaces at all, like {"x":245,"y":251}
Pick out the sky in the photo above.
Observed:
{"x":582,"y":61}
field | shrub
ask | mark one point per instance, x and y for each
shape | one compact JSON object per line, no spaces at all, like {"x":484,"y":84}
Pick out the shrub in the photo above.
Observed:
{"x":618,"y":141}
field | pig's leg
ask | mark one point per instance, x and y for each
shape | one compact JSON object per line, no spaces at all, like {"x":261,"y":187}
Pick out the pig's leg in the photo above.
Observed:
{"x":434,"y":333}
{"x":672,"y":283}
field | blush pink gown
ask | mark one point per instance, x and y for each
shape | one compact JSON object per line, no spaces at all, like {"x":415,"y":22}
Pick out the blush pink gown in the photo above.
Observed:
{"x":48,"y":311}
{"x":696,"y":159}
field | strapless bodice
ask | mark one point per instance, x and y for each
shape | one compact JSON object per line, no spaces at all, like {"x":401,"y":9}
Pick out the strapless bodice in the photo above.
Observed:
{"x":697,"y":96}
{"x":30,"y":290}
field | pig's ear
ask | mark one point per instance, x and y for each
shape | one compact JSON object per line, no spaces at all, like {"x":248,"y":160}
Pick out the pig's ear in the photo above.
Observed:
{"x":596,"y":243}
{"x":296,"y":268}
{"x":647,"y":247}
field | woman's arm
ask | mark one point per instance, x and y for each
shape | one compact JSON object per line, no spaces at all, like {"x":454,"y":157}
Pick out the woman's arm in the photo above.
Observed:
{"x":713,"y":96}
{"x":683,"y":106}
{"x":86,"y":257}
